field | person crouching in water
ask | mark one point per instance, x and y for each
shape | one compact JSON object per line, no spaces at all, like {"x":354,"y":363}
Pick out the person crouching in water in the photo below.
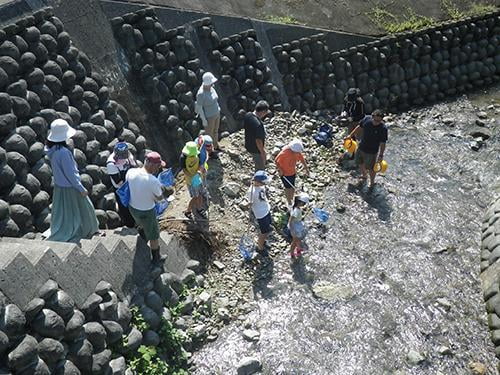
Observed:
{"x":296,"y":224}
{"x":261,"y":209}
{"x":118,"y":164}
{"x":190,"y":163}
{"x":286,"y":163}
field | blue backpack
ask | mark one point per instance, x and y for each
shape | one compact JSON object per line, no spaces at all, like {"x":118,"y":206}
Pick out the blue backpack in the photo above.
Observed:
{"x":324,"y":136}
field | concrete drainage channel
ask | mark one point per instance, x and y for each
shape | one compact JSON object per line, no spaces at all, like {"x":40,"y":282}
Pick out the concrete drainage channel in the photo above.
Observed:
{"x":65,"y":308}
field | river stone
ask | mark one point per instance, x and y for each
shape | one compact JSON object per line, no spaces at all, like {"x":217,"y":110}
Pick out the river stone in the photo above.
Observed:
{"x":414,"y":358}
{"x":103,"y":288}
{"x":7,"y":123}
{"x":51,"y":351}
{"x":4,"y":343}
{"x":174,"y":281}
{"x":117,"y":366}
{"x":62,"y":304}
{"x":151,"y":338}
{"x":331,"y":291}
{"x":251,"y":335}
{"x":74,"y":327}
{"x":80,"y":353}
{"x":248,"y":366}
{"x":48,"y":324}
{"x":114,"y":331}
{"x":24,"y":354}
{"x":133,"y":340}
{"x":13,"y":321}
{"x":42,"y":171}
{"x":187,"y":305}
{"x":193,"y":265}
{"x":31,"y":183}
{"x":33,"y":308}
{"x":17,"y":162}
{"x":154,"y":301}
{"x":187,"y":276}
{"x":482,"y":132}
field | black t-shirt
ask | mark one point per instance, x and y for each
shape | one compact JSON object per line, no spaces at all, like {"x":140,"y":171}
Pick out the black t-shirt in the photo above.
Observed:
{"x":355,"y":109}
{"x":373,"y":135}
{"x":254,"y":129}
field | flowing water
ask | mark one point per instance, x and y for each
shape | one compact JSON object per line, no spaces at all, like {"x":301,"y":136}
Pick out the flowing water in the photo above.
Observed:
{"x":400,"y":265}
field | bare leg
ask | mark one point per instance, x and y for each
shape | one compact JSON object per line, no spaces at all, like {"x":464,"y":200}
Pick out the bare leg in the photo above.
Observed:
{"x":372,"y":177}
{"x":293,"y":245}
{"x":289,"y":193}
{"x":261,"y":240}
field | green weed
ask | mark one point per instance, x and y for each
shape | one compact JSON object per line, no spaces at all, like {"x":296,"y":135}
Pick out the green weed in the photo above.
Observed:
{"x":289,"y":20}
{"x":137,"y":320}
{"x":409,"y":21}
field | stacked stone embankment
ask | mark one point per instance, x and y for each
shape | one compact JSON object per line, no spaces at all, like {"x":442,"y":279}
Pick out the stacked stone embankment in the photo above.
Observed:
{"x":43,"y":76}
{"x":166,"y":68}
{"x":86,"y":322}
{"x":395,"y":72}
{"x":244,"y":73}
{"x":490,"y":270}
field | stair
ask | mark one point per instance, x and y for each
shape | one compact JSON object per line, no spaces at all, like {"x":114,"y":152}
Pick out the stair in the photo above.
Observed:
{"x":120,"y":258}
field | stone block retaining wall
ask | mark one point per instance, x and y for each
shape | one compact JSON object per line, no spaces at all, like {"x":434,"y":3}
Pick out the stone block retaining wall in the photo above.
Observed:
{"x":83,"y":324}
{"x":395,"y":72}
{"x":43,"y":76}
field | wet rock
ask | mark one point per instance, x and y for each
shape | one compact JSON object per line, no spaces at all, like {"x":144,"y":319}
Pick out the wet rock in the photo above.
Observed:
{"x":414,"y":358}
{"x":219,"y":265}
{"x":330,"y":291}
{"x":477,"y":368}
{"x":444,"y":350}
{"x":248,"y":366}
{"x":251,"y":335}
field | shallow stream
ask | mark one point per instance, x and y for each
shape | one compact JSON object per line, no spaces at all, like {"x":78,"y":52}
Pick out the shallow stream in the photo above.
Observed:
{"x":398,"y":270}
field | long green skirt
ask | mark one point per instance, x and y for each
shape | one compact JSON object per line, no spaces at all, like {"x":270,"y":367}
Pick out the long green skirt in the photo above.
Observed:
{"x":72,"y":217}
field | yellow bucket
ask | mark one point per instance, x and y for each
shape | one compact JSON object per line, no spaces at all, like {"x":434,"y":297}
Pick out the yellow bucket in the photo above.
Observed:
{"x":380,"y":166}
{"x":350,"y":145}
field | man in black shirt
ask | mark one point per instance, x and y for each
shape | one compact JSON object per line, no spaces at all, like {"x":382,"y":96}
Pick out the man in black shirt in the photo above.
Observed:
{"x":372,"y":144}
{"x":255,"y":134}
{"x":354,"y":109}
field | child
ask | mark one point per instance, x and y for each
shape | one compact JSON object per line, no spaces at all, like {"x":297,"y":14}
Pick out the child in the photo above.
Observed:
{"x":296,"y":224}
{"x":261,"y":209}
{"x":190,"y":163}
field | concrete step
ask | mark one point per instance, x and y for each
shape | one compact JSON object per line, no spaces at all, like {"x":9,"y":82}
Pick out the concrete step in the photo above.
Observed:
{"x":121,"y":258}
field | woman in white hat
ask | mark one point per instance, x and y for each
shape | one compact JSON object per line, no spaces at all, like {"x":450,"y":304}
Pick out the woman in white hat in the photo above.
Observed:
{"x":73,"y":215}
{"x":207,"y":107}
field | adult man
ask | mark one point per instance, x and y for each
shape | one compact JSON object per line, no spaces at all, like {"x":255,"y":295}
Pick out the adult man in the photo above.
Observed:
{"x":354,"y":109}
{"x":255,"y":134}
{"x":145,"y":191}
{"x":372,"y":144}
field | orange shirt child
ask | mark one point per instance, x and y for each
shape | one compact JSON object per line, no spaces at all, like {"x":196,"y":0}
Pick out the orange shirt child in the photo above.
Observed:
{"x":286,"y":161}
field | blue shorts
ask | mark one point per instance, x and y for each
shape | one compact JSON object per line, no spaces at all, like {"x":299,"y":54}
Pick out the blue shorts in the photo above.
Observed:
{"x":290,"y":183}
{"x":265,"y":224}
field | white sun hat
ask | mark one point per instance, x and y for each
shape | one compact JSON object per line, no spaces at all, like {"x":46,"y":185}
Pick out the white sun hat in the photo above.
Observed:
{"x":296,"y":145}
{"x":303,"y":197}
{"x":208,"y":79}
{"x":60,"y":131}
{"x":262,"y":177}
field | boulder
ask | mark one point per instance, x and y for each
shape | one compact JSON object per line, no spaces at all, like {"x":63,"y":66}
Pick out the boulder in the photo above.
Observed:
{"x":16,"y":143}
{"x":35,"y":153}
{"x":21,"y":215}
{"x":114,"y":331}
{"x":19,"y":195}
{"x":100,"y":361}
{"x":4,"y":210}
{"x":9,"y":228}
{"x":40,"y":202}
{"x":33,"y":308}
{"x":74,"y":327}
{"x":31,"y":183}
{"x":80,"y":353}
{"x":96,"y":334}
{"x":62,"y":304}
{"x":48,"y":324}
{"x":24,"y":355}
{"x":7,"y":178}
{"x":13,"y":321}
{"x":51,"y":351}
{"x":249,"y":365}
